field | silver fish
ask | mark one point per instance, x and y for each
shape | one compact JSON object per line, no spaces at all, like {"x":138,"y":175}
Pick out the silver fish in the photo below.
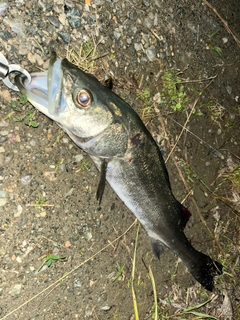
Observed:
{"x":114,"y":136}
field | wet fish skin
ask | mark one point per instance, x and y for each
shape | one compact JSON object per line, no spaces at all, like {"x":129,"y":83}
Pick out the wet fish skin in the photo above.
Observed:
{"x":114,"y":136}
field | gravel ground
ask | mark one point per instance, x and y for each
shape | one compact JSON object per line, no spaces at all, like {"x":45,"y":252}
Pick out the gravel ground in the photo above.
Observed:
{"x":173,"y":61}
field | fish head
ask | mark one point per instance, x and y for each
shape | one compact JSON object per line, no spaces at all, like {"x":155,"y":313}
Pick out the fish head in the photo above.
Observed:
{"x":90,"y":113}
{"x":73,"y":98}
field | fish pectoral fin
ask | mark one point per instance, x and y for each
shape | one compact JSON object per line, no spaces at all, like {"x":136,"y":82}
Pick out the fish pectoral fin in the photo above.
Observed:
{"x":157,"y":248}
{"x":102,"y":181}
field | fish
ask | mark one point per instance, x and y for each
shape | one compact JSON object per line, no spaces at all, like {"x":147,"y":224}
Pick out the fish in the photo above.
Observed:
{"x":127,"y":156}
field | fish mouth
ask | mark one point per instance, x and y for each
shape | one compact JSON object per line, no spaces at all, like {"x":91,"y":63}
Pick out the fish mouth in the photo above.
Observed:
{"x":45,"y":89}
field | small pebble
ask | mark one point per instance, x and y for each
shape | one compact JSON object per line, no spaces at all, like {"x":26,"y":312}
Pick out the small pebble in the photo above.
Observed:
{"x":68,"y":193}
{"x":78,"y":157}
{"x":54,"y":21}
{"x":151,"y":53}
{"x":44,"y":268}
{"x":43,"y":214}
{"x":63,"y":167}
{"x":26,"y":180}
{"x":19,"y":260}
{"x":19,"y":211}
{"x":89,"y":235}
{"x":74,"y":18}
{"x":24,"y":243}
{"x":6,"y":95}
{"x":117,"y":35}
{"x":16,"y":290}
{"x":219,"y":131}
{"x":3,"y":201}
{"x":32,"y":143}
{"x":106,"y":308}
{"x":65,"y":36}
{"x":62,"y":18}
{"x":229,"y":89}
{"x":67,"y":244}
{"x":65,"y":140}
{"x":137,"y":46}
{"x":77,"y":284}
{"x":4,"y":132}
{"x":157,"y":98}
{"x":3,"y":7}
{"x":8,"y":158}
{"x":216,"y":215}
{"x":2,"y":194}
{"x":50,"y":175}
{"x":3,"y":123}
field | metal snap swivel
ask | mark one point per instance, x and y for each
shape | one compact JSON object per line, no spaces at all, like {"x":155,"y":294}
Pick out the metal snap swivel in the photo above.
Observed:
{"x":3,"y":67}
{"x":6,"y":69}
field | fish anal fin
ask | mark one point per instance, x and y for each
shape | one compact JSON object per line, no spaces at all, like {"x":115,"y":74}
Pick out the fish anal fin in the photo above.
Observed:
{"x":102,"y":181}
{"x":184,"y":215}
{"x":157,"y":248}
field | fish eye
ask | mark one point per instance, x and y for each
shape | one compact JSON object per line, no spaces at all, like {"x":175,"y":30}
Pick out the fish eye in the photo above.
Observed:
{"x":83,"y":98}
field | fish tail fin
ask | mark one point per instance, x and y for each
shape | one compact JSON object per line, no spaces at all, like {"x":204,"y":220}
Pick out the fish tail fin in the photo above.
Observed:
{"x":205,"y":270}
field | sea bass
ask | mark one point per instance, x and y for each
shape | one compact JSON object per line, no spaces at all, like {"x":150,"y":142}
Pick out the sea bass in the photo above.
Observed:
{"x":112,"y":133}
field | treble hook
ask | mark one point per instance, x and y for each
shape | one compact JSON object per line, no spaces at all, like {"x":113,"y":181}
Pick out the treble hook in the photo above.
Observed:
{"x":6,"y":69}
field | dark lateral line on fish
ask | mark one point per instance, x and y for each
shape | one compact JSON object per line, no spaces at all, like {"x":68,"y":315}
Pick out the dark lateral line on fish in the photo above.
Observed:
{"x":215,"y":151}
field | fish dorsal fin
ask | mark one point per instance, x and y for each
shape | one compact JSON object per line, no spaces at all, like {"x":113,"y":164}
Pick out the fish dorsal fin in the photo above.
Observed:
{"x":102,"y":181}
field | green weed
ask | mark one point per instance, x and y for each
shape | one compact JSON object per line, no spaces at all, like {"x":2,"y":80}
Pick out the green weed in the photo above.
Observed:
{"x":120,"y":273}
{"x":58,"y":164}
{"x":39,"y":203}
{"x":216,"y":110}
{"x":173,"y":93}
{"x":57,"y":141}
{"x":115,"y":315}
{"x":29,"y":114}
{"x":212,"y":46}
{"x":233,"y":176}
{"x":139,"y":281}
{"x":188,"y":172}
{"x":112,"y":56}
{"x":147,"y":109}
{"x":28,"y":120}
{"x":84,"y":166}
{"x":216,"y":49}
{"x":192,"y":311}
{"x":189,"y":313}
{"x":84,"y":57}
{"x":49,"y":259}
{"x":14,"y":106}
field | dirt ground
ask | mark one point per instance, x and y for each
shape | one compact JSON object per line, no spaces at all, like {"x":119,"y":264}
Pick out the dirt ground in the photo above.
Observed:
{"x":161,"y":54}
